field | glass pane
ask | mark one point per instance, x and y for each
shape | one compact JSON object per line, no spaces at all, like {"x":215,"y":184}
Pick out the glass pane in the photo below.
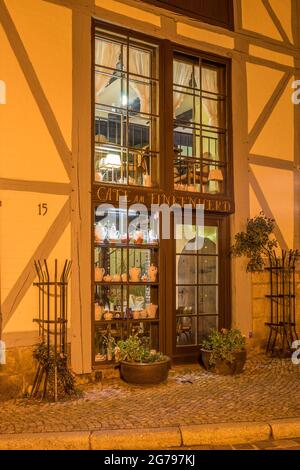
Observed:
{"x":186,"y":300}
{"x":110,"y":90}
{"x":184,"y":108}
{"x":210,"y":245}
{"x":187,"y":175}
{"x":212,"y":144}
{"x":207,"y":300}
{"x":110,"y":302}
{"x":139,"y":61}
{"x":205,"y":325}
{"x":139,"y":95}
{"x":209,"y":80}
{"x":103,"y":346}
{"x":186,"y":269}
{"x":110,"y":264}
{"x":109,"y":226}
{"x":139,"y":131}
{"x":110,"y":127}
{"x":207,"y":270}
{"x":213,"y":111}
{"x":110,"y":164}
{"x":139,"y":264}
{"x":182,"y":73}
{"x":185,"y":237}
{"x":107,"y":53}
{"x":186,"y":334}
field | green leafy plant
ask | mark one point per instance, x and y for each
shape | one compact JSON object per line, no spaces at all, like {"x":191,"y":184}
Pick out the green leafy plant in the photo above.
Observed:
{"x":256,"y":242}
{"x":223,"y":344}
{"x":135,"y":349}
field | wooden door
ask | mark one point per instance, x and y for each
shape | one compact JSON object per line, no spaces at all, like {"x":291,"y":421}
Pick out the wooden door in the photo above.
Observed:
{"x":200,"y":286}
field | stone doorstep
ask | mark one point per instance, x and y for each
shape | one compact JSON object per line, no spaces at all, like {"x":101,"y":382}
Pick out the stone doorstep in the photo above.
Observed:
{"x":222,"y":434}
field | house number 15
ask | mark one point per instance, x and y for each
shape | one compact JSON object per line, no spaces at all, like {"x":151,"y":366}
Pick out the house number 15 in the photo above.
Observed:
{"x":43,"y":208}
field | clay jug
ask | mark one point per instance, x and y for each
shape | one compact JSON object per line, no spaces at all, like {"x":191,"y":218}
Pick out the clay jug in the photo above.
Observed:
{"x":151,"y":310}
{"x":152,"y":271}
{"x":99,"y":273}
{"x":135,"y":274}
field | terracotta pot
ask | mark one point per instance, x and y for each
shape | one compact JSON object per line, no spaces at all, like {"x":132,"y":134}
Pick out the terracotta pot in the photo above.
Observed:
{"x":145,"y":374}
{"x":223,"y":367}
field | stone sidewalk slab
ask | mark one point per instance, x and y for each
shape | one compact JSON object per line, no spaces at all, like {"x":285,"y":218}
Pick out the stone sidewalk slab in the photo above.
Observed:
{"x":46,"y":441}
{"x":285,"y":428}
{"x":225,"y":433}
{"x":136,"y":439}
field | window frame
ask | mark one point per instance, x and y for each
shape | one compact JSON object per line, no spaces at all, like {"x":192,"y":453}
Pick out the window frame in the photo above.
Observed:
{"x":166,"y":156}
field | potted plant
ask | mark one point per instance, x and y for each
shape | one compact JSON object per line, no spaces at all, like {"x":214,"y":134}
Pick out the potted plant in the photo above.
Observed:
{"x":256,"y":243}
{"x":224,"y":352}
{"x":140,"y":365}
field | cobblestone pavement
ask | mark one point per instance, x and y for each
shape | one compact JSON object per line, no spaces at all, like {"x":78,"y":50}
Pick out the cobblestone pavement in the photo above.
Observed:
{"x":267,"y":389}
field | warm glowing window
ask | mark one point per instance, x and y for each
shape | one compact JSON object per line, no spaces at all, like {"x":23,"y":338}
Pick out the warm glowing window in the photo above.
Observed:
{"x":199,"y":125}
{"x":126,"y":110}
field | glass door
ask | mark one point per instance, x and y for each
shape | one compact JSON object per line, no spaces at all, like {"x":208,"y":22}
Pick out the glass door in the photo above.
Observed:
{"x":200,"y":303}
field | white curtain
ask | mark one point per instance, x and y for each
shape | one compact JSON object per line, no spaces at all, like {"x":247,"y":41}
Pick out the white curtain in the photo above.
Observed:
{"x":107,"y":54}
{"x":210,"y":84}
{"x":181,"y":76}
{"x":139,"y":63}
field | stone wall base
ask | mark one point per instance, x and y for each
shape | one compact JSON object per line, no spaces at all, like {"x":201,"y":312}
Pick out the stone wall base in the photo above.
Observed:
{"x":17,"y":375}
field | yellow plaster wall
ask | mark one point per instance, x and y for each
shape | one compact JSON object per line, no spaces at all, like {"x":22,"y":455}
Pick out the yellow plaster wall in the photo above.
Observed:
{"x":22,"y":320}
{"x":255,"y":18}
{"x":27,"y":149}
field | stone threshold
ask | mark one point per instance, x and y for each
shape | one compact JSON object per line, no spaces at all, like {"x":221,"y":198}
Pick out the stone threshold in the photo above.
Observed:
{"x":222,"y":434}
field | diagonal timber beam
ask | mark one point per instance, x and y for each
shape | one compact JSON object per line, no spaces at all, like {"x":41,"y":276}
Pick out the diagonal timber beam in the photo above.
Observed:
{"x":266,"y":208}
{"x":269,"y":107}
{"x":271,"y":162}
{"x":35,"y":86}
{"x":276,"y":21}
{"x":42,"y":252}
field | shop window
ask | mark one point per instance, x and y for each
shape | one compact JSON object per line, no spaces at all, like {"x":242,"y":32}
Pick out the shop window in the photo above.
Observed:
{"x":126,"y":110}
{"x":126,"y":280}
{"x":199,"y":123}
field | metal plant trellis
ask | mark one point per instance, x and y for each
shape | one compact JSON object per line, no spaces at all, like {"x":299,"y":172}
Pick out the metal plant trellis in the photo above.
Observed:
{"x":282,"y":298}
{"x":52,"y":321}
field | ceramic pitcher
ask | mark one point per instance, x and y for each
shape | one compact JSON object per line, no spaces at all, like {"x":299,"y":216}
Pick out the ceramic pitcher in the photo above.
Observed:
{"x":113,"y":234}
{"x":151,"y":310}
{"x":100,"y":232}
{"x":152,"y":271}
{"x":99,"y":273}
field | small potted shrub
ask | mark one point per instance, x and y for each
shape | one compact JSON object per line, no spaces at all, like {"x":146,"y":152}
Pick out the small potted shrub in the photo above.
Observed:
{"x":224,"y":352}
{"x":140,"y":365}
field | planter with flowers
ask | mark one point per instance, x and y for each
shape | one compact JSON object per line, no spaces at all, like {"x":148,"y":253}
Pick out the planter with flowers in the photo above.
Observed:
{"x":139,"y":364}
{"x":224,"y":352}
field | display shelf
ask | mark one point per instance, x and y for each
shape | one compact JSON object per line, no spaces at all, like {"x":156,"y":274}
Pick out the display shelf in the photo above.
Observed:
{"x":130,"y":246}
{"x":124,"y":320}
{"x":127,"y":283}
